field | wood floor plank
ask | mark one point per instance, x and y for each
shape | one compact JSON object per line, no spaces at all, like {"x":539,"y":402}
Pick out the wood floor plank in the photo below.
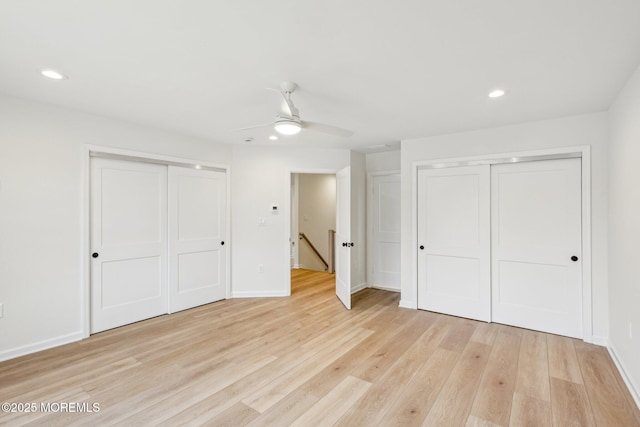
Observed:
{"x":379,"y":398}
{"x":453,"y":404}
{"x":332,"y":406}
{"x":414,"y":403}
{"x":527,"y":411}
{"x":305,"y":359}
{"x":493,"y":400}
{"x":459,"y":335}
{"x":474,"y":421}
{"x":269,"y":395}
{"x":236,"y":416}
{"x":532,"y":378}
{"x":563,"y":363}
{"x":607,"y":398}
{"x":570,"y":404}
{"x":485,"y":333}
{"x":376,"y":365}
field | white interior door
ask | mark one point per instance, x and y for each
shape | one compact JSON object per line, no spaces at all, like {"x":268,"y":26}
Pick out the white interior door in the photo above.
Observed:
{"x":128,"y":242}
{"x":536,"y":230}
{"x":386,"y":231}
{"x":197,"y":249}
{"x":453,"y":241}
{"x":343,"y":236}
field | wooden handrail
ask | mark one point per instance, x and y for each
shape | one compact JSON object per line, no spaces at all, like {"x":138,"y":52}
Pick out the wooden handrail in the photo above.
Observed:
{"x":313,"y":248}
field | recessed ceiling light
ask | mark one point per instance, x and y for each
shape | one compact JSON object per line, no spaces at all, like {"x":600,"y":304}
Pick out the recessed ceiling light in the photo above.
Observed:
{"x":273,"y":137}
{"x":53,"y":74}
{"x":497,"y":93}
{"x":198,"y":167}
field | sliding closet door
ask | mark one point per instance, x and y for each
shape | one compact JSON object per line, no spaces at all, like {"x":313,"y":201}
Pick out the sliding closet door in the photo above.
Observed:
{"x":536,"y":245}
{"x":197,"y":228}
{"x":128,"y":242}
{"x":453,"y":241}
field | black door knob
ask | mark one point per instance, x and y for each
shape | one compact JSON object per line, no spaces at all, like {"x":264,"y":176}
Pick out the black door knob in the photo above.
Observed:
{"x":222,"y":243}
{"x":344,"y":244}
{"x":421,"y":247}
{"x":351,"y":244}
{"x":95,"y":254}
{"x":574,"y":258}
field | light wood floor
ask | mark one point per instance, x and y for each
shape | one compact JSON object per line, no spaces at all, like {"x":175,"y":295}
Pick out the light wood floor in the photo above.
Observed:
{"x":305,"y":361}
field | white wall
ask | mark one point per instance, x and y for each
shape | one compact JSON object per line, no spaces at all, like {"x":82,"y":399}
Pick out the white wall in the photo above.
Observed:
{"x":590,"y":129}
{"x":316,"y":216}
{"x":383,"y":162}
{"x":41,"y":213}
{"x":624,"y":230}
{"x":260,"y":178}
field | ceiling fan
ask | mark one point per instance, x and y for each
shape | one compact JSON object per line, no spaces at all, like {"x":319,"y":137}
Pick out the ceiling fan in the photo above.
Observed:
{"x":290,"y":124}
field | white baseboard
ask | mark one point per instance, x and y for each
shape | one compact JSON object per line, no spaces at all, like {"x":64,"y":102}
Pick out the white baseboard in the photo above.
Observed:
{"x":260,"y":294}
{"x":633,"y":389}
{"x":297,"y":266}
{"x":358,"y":287}
{"x":598,"y":340}
{"x":385,"y":288}
{"x":408,"y":304}
{"x":39,"y":346}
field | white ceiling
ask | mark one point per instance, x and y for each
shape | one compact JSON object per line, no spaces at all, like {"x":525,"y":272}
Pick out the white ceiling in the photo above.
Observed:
{"x":388,"y":70}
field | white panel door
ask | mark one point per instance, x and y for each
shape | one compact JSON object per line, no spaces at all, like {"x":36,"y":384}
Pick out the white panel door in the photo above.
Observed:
{"x":453,"y":241}
{"x":197,"y":228}
{"x":128,"y":242}
{"x":386,"y":231}
{"x":343,"y":236}
{"x":536,"y":230}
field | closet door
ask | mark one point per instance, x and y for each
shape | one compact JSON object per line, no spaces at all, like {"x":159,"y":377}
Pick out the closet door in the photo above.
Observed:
{"x":536,"y":246}
{"x":453,"y":241}
{"x":128,"y":242}
{"x":386,"y":231}
{"x":197,"y":228}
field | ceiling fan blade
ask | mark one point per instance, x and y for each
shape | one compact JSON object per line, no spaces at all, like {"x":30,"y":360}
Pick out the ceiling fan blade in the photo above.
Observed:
{"x":293,"y":111}
{"x":331,"y":130}
{"x":268,"y":125}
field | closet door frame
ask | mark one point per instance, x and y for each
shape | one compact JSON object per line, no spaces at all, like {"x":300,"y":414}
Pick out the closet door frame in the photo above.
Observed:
{"x":144,"y":157}
{"x":410,"y":300}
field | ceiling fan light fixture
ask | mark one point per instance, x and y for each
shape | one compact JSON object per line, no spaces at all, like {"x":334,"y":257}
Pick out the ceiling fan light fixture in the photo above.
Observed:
{"x":287,"y":127}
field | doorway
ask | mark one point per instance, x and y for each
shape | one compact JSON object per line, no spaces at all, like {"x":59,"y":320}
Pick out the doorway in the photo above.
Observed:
{"x":313,"y":221}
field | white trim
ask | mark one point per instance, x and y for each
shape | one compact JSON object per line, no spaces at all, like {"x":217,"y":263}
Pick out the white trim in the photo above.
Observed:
{"x":358,"y":287}
{"x":297,"y":266}
{"x":582,"y":151}
{"x":599,"y":340}
{"x":408,"y":304}
{"x":370,"y":254}
{"x":633,"y":389}
{"x":163,"y":159}
{"x":85,"y":244}
{"x":41,"y":345}
{"x":260,"y":294}
{"x":86,"y":215}
{"x":587,"y":291}
{"x":385,"y":288}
